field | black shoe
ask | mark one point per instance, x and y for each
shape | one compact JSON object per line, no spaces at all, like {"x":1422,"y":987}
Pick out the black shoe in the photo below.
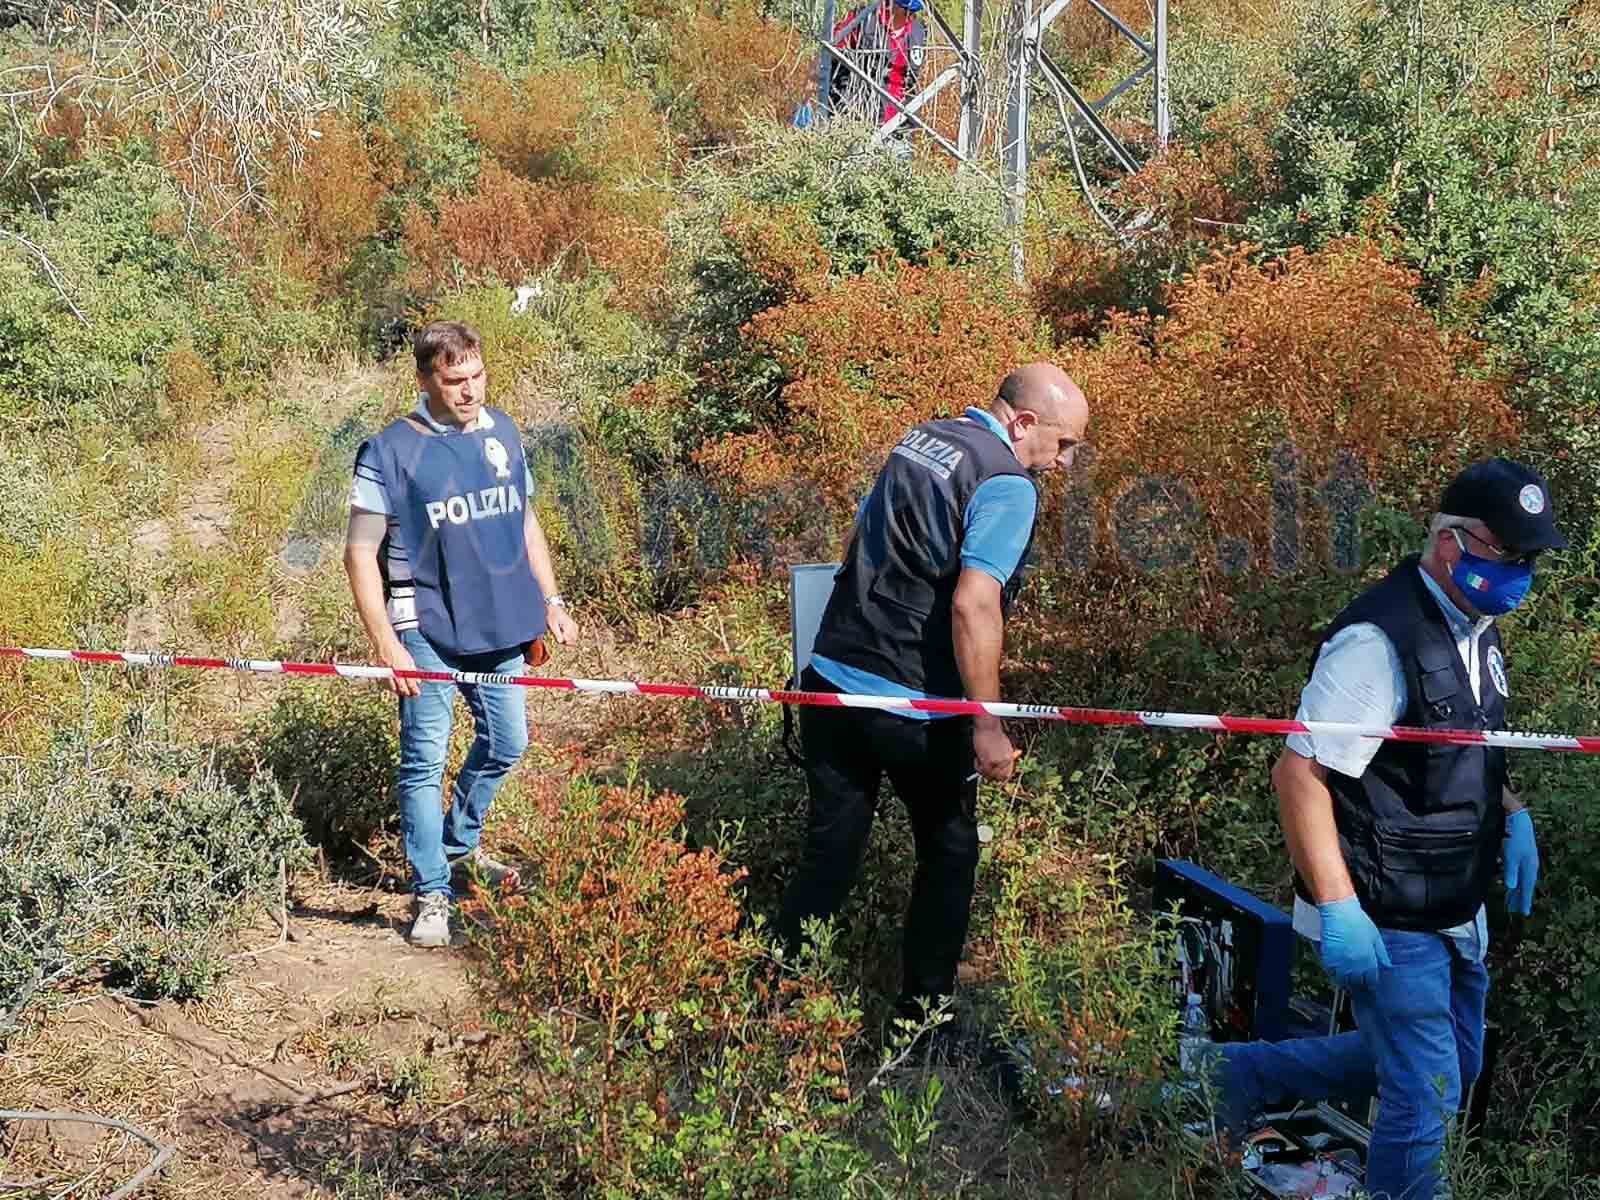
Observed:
{"x":1008,"y":1073}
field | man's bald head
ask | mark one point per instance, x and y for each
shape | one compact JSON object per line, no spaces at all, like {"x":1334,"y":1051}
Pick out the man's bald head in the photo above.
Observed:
{"x":1044,"y":412}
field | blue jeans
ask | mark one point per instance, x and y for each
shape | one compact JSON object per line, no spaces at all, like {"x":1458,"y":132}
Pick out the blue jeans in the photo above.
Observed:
{"x":1418,"y":1047}
{"x":500,"y":726}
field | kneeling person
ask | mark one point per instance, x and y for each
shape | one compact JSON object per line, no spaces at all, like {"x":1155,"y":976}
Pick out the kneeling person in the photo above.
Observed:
{"x":1395,"y":843}
{"x":450,"y":572}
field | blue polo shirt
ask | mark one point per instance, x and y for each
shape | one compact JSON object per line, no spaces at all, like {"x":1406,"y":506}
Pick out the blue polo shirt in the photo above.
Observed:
{"x":995,"y":531}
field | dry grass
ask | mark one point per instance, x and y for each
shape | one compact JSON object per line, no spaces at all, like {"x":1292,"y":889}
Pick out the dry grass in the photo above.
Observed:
{"x":227,"y":1079}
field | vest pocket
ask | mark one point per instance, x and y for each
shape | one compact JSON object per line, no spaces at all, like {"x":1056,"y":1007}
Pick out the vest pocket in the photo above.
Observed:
{"x":914,"y":596}
{"x":1455,"y":778}
{"x":1426,"y":873}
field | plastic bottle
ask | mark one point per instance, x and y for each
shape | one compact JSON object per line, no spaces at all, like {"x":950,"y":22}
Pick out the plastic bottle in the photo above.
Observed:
{"x":1194,"y":1037}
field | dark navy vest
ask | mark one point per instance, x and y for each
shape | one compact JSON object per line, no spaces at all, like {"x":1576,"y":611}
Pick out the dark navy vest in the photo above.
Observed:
{"x":459,"y":503}
{"x":1421,"y":829}
{"x":891,"y":608}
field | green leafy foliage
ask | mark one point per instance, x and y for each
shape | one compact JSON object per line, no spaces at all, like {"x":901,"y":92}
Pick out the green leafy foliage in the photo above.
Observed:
{"x":334,"y":752}
{"x":133,"y":865}
{"x":103,"y":288}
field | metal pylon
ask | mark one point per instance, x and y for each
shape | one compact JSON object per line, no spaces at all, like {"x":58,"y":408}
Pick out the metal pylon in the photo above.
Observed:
{"x":1028,"y":61}
{"x":952,"y":57}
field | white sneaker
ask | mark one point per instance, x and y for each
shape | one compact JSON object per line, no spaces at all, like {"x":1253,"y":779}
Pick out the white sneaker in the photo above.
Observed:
{"x":431,"y":928}
{"x":491,"y":871}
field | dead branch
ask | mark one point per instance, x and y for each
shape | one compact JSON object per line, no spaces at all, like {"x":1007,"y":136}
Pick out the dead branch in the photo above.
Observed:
{"x":164,"y":1151}
{"x":50,"y":271}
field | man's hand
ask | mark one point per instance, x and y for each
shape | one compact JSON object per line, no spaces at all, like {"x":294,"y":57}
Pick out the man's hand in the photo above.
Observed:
{"x":397,"y":658}
{"x":1352,"y":948}
{"x":995,"y":754}
{"x":1522,"y":862}
{"x":562,"y":627}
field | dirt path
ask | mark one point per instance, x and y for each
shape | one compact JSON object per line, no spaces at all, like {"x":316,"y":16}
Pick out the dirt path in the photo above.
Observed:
{"x":203,"y":515}
{"x":317,"y":1054}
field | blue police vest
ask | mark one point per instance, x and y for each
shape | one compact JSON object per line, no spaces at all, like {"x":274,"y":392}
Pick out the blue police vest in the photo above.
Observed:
{"x":458,"y":500}
{"x":1420,"y":830}
{"x":893,"y":599}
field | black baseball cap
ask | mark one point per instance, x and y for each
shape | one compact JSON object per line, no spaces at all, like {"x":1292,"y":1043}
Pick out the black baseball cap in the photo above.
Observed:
{"x":1511,"y":499}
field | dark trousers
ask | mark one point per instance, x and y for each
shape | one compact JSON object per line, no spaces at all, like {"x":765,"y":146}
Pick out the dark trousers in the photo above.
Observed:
{"x":847,"y":753}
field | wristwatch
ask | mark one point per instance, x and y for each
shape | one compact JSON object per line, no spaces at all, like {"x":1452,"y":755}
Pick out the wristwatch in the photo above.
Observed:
{"x":556,"y":600}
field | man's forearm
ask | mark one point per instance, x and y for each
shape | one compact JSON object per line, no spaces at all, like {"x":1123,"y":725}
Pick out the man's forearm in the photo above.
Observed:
{"x":544,"y":570}
{"x":979,"y":636}
{"x":366,"y":586}
{"x":1305,"y":810}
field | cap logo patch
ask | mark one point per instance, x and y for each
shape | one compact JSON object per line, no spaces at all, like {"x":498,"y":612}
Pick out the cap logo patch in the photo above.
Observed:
{"x":1532,"y":499}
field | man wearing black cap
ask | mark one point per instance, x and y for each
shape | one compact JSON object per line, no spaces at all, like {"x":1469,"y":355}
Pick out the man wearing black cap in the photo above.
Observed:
{"x":1395,"y":843}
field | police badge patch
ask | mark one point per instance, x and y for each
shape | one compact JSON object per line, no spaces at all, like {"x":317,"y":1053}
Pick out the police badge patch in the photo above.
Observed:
{"x":498,"y":458}
{"x":1497,"y":671}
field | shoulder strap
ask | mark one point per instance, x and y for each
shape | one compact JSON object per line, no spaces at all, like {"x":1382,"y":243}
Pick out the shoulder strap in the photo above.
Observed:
{"x":418,"y":426}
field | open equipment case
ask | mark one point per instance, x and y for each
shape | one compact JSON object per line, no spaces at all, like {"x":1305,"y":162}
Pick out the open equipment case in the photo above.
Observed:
{"x":1237,"y":954}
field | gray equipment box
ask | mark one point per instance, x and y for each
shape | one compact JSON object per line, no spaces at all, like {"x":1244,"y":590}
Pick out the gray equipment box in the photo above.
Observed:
{"x":810,"y":585}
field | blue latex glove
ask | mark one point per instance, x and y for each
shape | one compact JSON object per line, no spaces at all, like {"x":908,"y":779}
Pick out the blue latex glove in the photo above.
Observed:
{"x":1522,"y":861}
{"x":1352,"y":948}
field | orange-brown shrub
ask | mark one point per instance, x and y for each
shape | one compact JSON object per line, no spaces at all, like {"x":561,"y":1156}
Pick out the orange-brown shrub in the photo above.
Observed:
{"x":507,"y":227}
{"x":623,"y":969}
{"x":1204,"y":184}
{"x":1082,"y":280}
{"x":1332,"y":351}
{"x":1195,"y":195}
{"x":324,"y":208}
{"x":565,"y":124}
{"x":736,"y":67}
{"x":865,"y":358}
{"x":573,"y":165}
{"x":629,"y":920}
{"x":1086,"y":35}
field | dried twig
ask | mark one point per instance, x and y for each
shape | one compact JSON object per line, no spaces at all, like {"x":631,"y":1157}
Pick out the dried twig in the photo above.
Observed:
{"x":238,"y":83}
{"x":343,"y":1089}
{"x":50,"y":270}
{"x":164,"y":1151}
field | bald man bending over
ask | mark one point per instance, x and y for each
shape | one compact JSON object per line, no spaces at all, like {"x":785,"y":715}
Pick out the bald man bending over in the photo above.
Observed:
{"x":918,"y":609}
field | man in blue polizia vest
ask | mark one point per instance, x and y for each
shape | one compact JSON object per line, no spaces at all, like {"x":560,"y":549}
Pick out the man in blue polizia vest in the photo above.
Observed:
{"x":918,"y":609}
{"x":1395,"y":844}
{"x":450,"y":571}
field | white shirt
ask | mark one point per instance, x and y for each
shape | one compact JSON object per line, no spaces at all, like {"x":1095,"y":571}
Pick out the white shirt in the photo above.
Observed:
{"x":1359,"y":680}
{"x":368,"y":493}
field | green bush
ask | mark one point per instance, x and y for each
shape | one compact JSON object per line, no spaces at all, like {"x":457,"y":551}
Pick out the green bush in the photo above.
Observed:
{"x":333,"y":750}
{"x":86,"y":337}
{"x":440,"y":34}
{"x":1561,"y":400}
{"x":1408,"y":133}
{"x":133,"y":865}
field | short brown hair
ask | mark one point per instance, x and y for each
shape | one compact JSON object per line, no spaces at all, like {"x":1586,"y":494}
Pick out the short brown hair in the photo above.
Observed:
{"x":449,"y":341}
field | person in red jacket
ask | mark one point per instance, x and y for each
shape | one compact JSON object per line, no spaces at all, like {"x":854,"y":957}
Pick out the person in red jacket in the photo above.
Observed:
{"x":888,"y":41}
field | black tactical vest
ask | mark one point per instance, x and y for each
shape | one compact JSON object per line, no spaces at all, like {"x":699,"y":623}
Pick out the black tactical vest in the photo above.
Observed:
{"x":890,"y":612}
{"x":1421,"y":829}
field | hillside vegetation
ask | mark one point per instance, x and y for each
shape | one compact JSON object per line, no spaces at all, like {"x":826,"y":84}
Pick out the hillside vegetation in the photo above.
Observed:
{"x":1371,"y":255}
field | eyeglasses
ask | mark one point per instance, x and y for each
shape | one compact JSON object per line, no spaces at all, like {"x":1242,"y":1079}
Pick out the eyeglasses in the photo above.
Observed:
{"x":1497,"y":553}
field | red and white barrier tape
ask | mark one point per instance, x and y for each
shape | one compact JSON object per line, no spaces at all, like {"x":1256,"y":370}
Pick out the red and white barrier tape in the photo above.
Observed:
{"x":1200,"y":722}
